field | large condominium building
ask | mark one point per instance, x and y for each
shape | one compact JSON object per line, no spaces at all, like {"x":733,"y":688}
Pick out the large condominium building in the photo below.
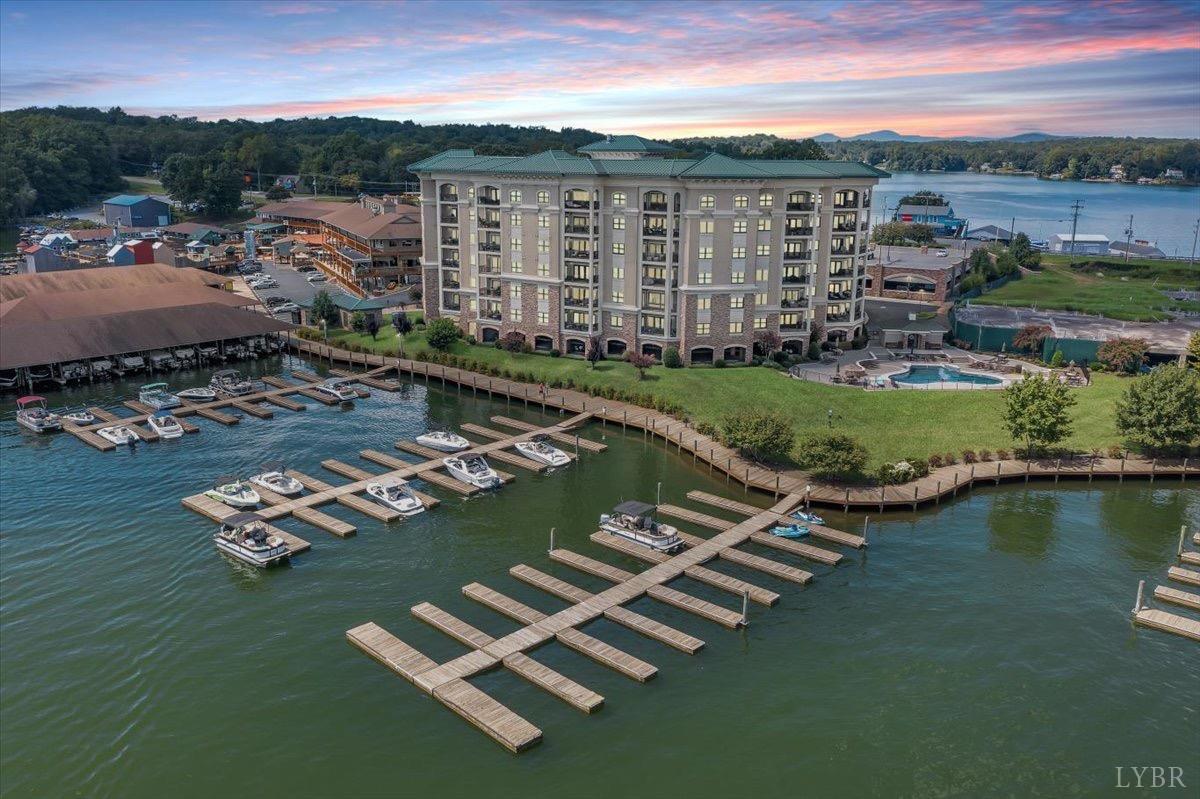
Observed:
{"x":643,"y":251}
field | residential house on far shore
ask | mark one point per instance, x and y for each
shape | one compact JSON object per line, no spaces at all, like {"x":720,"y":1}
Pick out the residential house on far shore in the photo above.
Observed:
{"x":938,"y":215}
{"x":136,"y":210}
{"x":129,"y":253}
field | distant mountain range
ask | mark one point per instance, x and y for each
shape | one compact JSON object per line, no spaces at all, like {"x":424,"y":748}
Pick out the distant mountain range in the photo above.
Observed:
{"x":891,"y":135}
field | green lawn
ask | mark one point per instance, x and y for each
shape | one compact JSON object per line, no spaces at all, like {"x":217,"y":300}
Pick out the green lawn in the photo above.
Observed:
{"x":144,"y":184}
{"x":1133,"y":292}
{"x":892,"y":424}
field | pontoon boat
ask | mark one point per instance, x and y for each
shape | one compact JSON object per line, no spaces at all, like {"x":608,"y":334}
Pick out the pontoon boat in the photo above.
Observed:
{"x":157,"y":397}
{"x":229,"y":381}
{"x":9,"y":378}
{"x":245,"y":536}
{"x":233,"y":491}
{"x":472,"y":470}
{"x":397,"y":496}
{"x":32,"y":414}
{"x":634,"y":520}
{"x":185,"y":357}
{"x":198,"y":394}
{"x":101,"y":367}
{"x":118,"y":434}
{"x":74,"y":371}
{"x":789,"y":531}
{"x":131,"y":363}
{"x":79,"y":417}
{"x":338,"y":388}
{"x":166,"y":425}
{"x":209,"y":354}
{"x":539,"y":449}
{"x":162,"y":361}
{"x":273,"y":478}
{"x":444,"y":441}
{"x":807,"y":516}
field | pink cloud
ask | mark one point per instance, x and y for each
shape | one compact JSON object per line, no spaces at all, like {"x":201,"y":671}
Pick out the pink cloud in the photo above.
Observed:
{"x":296,"y":9}
{"x":335,"y":43}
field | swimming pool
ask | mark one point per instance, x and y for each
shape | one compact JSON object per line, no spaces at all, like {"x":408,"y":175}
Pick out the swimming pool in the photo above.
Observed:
{"x":920,"y":375}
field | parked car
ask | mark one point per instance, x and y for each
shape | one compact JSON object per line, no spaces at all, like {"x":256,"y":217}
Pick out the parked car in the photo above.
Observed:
{"x":316,"y":277}
{"x":275,"y":299}
{"x":306,"y":268}
{"x":287,"y":307}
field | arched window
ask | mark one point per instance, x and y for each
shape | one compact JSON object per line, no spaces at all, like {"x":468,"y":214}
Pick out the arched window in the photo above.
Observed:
{"x":618,"y":198}
{"x":707,"y":202}
{"x":741,"y":201}
{"x":514,"y":196}
{"x":543,"y":197}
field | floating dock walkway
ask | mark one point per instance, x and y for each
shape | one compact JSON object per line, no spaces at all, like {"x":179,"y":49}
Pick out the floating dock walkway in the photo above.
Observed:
{"x":447,"y":682}
{"x":1174,"y":623}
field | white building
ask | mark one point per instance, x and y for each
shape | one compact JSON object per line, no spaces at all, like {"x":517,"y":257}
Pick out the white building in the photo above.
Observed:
{"x":1085,"y":243}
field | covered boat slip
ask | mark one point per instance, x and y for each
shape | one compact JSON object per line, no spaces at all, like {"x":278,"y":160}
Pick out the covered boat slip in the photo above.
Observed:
{"x":446,"y":682}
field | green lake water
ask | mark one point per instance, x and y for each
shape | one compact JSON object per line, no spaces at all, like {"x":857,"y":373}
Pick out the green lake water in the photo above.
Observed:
{"x":982,"y":648}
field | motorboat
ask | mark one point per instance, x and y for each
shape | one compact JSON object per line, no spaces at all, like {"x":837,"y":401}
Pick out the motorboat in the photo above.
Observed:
{"x":231,"y":382}
{"x":118,"y":434}
{"x":237,"y":351}
{"x":397,"y":496}
{"x":233,"y":491}
{"x":101,"y":367}
{"x":539,"y":449}
{"x":74,"y":371}
{"x":163,"y":361}
{"x":185,"y":357}
{"x":157,"y":397}
{"x":245,"y":536}
{"x":635,"y":521}
{"x":198,"y":394}
{"x":807,"y":516}
{"x":272,"y":478}
{"x":9,"y":378}
{"x":81,"y":417}
{"x":209,"y":354}
{"x":472,"y":470}
{"x":166,"y":425}
{"x":33,"y":414}
{"x":444,"y":441}
{"x":338,"y":388}
{"x":131,"y":363}
{"x":40,"y":374}
{"x":789,"y":531}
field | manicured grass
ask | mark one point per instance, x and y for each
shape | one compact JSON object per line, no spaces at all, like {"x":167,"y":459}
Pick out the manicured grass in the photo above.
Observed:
{"x":891,"y":424}
{"x":144,"y":184}
{"x":1109,"y":293}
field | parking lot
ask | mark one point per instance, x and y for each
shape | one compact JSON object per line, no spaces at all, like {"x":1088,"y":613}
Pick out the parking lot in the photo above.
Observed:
{"x":292,"y":284}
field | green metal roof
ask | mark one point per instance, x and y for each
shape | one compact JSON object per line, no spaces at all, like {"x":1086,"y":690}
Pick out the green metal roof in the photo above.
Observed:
{"x":127,"y":199}
{"x":712,"y":166}
{"x":626,"y":144}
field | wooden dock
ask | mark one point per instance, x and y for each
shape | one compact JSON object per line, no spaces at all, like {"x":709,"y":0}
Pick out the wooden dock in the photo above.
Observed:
{"x":324,"y":399}
{"x":254,"y":409}
{"x":1168,"y":623}
{"x":326,"y":522}
{"x":816,"y":530}
{"x":562,"y":438}
{"x":214,"y":415}
{"x":346,"y":470}
{"x":1185,"y":576}
{"x":1174,"y":596}
{"x":284,"y":402}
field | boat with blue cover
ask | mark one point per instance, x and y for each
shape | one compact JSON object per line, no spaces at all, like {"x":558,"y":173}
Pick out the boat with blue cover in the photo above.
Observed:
{"x":789,"y":531}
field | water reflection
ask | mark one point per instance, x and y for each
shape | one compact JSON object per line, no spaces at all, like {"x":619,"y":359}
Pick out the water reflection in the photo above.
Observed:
{"x":1127,"y":522}
{"x":1022,"y":523}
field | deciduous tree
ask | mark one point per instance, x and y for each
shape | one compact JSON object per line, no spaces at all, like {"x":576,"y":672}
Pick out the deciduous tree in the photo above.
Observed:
{"x":1123,"y":354}
{"x":442,"y":333}
{"x":1162,"y":409}
{"x":1037,"y":411}
{"x":831,"y":454}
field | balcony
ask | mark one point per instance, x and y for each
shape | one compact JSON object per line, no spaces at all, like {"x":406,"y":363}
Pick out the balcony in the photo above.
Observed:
{"x":580,"y":326}
{"x":580,"y":277}
{"x":452,"y":307}
{"x":792,"y":325}
{"x":797,"y":231}
{"x":450,"y":218}
{"x":491,"y":224}
{"x":798,"y":256}
{"x":485,"y":199}
{"x":841,"y":251}
{"x":801,"y":206}
{"x":450,"y":263}
{"x":491,"y":292}
{"x":655,"y":257}
{"x":489,"y":246}
{"x":450,"y":284}
{"x":579,"y":255}
{"x":490,"y":315}
{"x":846,"y":227}
{"x":653,"y":281}
{"x":488,"y":269}
{"x":450,"y":241}
{"x":583,"y":204}
{"x":837,"y":318}
{"x":658,"y":232}
{"x":577,"y":302}
{"x":795,"y":279}
{"x":800,"y":303}
{"x":659,"y":207}
{"x":585,"y":229}
{"x":652,"y":331}
{"x":837,"y":296}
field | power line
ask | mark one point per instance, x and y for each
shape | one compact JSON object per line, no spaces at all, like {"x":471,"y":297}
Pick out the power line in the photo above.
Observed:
{"x":1075,"y":208}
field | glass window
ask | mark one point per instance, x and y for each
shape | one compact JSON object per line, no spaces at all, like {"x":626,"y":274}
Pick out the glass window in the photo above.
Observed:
{"x":618,"y":198}
{"x":618,"y":296}
{"x":741,"y":201}
{"x":735,"y":327}
{"x":760,"y":298}
{"x":517,"y":267}
{"x":618,"y":273}
{"x":706,"y":226}
{"x":764,"y":249}
{"x":739,"y":252}
{"x":543,"y":270}
{"x":760,"y":323}
{"x":737,"y":277}
{"x":704,"y":278}
{"x":618,"y":223}
{"x":706,"y":252}
{"x":702,"y":328}
{"x":615,"y":320}
{"x":514,"y":219}
{"x":739,"y":226}
{"x":543,"y":245}
{"x":764,"y":223}
{"x":543,"y":293}
{"x":543,"y":220}
{"x":514,"y":196}
{"x":471,"y":192}
{"x":515,"y":242}
{"x":514,"y":291}
{"x":707,"y":202}
{"x":766,"y":200}
{"x":514,"y":313}
{"x":704,"y":303}
{"x":543,"y":197}
{"x":737,"y":301}
{"x":618,"y":248}
{"x":543,"y":317}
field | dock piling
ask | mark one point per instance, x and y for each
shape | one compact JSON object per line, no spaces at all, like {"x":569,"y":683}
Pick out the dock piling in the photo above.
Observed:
{"x":1137,"y":605}
{"x":551,"y":549}
{"x":866,"y":522}
{"x":745,"y":608}
{"x":1182,"y":535}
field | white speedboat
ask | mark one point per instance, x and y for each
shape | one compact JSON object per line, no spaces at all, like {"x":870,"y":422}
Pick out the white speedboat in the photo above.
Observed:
{"x":233,"y":491}
{"x":74,"y":371}
{"x":79,"y":417}
{"x":209,"y":354}
{"x":472,"y":470}
{"x":166,"y":425}
{"x":118,"y":434}
{"x":246,"y":537}
{"x":199,"y":394}
{"x":443,"y":441}
{"x":185,"y":357}
{"x":33,"y":414}
{"x":162,"y":361}
{"x":397,"y":496}
{"x":273,"y":478}
{"x":635,"y":521}
{"x":157,"y":397}
{"x":807,"y":516}
{"x":539,"y":449}
{"x":231,"y":382}
{"x":338,"y":388}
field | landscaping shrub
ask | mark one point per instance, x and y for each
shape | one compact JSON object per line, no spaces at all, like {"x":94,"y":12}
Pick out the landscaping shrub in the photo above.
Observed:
{"x":671,"y":358}
{"x":1114,"y":451}
{"x":1001,"y":454}
{"x":1123,"y":354}
{"x":358,"y":321}
{"x":555,"y":353}
{"x":708,"y":429}
{"x":985,"y":455}
{"x":949,"y":459}
{"x":719,"y":363}
{"x":969,"y":456}
{"x":402,"y":323}
{"x":443,"y":333}
{"x":935,"y":461}
{"x":472,"y":341}
{"x":831,"y":454}
{"x":814,"y":352}
{"x":780,"y":357}
{"x":761,"y":434}
{"x":1057,"y":359}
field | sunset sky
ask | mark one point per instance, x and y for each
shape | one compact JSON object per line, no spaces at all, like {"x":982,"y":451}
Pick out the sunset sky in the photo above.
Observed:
{"x":662,"y":69}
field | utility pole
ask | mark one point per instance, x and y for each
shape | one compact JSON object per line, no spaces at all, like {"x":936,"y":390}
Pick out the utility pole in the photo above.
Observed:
{"x":1195,"y":235}
{"x":1075,"y":207}
{"x":1128,"y":237}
